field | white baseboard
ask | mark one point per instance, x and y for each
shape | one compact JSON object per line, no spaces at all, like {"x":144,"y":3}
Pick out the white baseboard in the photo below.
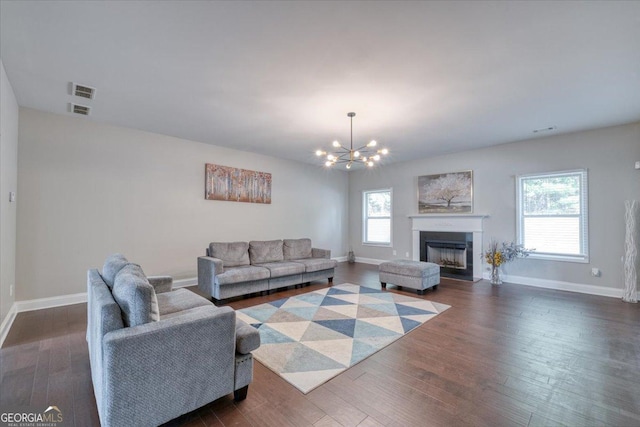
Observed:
{"x":183,"y":283}
{"x":7,"y":322}
{"x":340,"y":258}
{"x":59,"y":301}
{"x":560,"y":285}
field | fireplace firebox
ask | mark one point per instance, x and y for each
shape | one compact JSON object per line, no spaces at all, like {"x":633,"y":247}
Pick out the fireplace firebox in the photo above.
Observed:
{"x":452,"y":251}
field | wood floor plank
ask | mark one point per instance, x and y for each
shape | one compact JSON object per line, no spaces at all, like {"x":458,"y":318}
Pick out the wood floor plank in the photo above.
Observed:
{"x":500,"y":356}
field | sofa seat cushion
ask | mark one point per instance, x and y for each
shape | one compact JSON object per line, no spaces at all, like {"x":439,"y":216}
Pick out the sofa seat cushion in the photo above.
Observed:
{"x":283,"y":268}
{"x":111,"y":267}
{"x":135,"y":296}
{"x":232,"y":254}
{"x":316,"y":264}
{"x":243,"y":273}
{"x":296,"y":248}
{"x":264,"y":251}
{"x":179,"y":300}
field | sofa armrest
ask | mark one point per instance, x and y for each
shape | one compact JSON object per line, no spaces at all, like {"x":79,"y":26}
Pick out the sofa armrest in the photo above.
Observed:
{"x":147,"y":366}
{"x":320,"y":253}
{"x":208,"y":269}
{"x":247,"y":337}
{"x":161,"y":283}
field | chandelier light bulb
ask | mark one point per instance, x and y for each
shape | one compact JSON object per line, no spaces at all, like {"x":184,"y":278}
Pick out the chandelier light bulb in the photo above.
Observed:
{"x":330,"y":157}
{"x":349,"y":165}
{"x":356,"y":154}
{"x":328,"y":163}
{"x":370,"y":164}
{"x":373,"y":143}
{"x":336,"y":144}
{"x":376,"y":157}
{"x":384,"y":151}
{"x":364,"y":159}
{"x":319,"y":153}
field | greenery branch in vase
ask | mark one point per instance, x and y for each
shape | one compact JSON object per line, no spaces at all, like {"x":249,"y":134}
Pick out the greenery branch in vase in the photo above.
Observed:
{"x":499,"y":254}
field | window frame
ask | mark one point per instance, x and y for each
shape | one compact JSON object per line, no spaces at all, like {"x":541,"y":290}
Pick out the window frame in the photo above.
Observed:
{"x":583,"y":257}
{"x":365,"y":217}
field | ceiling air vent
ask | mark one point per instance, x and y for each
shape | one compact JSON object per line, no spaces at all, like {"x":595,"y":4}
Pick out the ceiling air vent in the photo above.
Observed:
{"x":84,"y":91}
{"x":541,"y":130}
{"x":80,"y":109}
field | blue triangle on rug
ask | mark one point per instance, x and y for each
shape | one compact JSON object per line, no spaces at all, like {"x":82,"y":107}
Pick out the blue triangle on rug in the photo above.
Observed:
{"x":279,"y":302}
{"x":334,"y":301}
{"x":408,"y":324}
{"x":344,"y":326}
{"x":335,"y":291}
{"x":405,"y":310}
{"x":269,"y":335}
{"x":365,"y":290}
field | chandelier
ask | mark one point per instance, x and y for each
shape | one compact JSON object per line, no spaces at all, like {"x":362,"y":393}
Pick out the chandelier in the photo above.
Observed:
{"x":367,"y":154}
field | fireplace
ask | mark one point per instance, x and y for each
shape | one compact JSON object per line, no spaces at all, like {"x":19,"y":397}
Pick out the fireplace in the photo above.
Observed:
{"x":460,"y":257}
{"x":452,"y":251}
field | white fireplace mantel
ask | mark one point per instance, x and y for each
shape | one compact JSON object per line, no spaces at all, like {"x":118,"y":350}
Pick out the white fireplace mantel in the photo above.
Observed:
{"x":452,"y":223}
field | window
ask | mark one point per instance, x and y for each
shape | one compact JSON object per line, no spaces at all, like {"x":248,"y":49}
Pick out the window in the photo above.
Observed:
{"x":377,"y":217}
{"x":552,"y":215}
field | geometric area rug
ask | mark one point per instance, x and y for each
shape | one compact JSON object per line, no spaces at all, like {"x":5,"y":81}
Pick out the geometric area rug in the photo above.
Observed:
{"x":310,"y":338}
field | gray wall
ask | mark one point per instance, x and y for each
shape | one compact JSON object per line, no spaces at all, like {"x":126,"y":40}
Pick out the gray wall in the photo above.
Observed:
{"x":608,"y":153}
{"x":88,"y":190}
{"x":8,"y":182}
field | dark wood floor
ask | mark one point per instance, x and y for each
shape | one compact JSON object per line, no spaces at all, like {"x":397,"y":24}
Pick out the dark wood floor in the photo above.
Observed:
{"x":501,"y":356}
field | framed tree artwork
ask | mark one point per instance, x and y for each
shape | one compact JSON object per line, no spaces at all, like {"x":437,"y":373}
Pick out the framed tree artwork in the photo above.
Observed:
{"x":236,"y":185}
{"x":450,"y":193}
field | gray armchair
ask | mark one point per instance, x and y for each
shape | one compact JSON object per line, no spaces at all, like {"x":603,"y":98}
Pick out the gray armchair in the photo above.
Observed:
{"x":156,"y":353}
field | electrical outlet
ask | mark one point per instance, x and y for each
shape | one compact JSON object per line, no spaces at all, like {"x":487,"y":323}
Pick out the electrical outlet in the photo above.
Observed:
{"x":595,"y":272}
{"x":395,"y":252}
{"x":12,"y":289}
{"x":406,"y":254}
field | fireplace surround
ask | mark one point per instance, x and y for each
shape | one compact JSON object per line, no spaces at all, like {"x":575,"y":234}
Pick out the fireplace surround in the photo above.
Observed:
{"x":471,"y":226}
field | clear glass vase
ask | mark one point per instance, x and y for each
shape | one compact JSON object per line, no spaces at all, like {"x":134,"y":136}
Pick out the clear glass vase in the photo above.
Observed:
{"x":495,"y":275}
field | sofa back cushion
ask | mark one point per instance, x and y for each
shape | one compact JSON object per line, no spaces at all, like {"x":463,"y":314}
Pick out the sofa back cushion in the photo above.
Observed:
{"x":135,"y":296}
{"x":232,"y":254}
{"x":111,"y":267}
{"x":297,"y":248}
{"x":262,"y":251}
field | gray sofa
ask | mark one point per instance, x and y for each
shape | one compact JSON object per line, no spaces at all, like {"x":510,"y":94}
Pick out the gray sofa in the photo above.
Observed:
{"x":232,"y":269}
{"x":158,"y":353}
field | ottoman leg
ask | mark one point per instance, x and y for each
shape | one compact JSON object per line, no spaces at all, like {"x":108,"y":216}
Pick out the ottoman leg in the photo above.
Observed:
{"x":383,"y":285}
{"x":434,"y":287}
{"x":420,"y":291}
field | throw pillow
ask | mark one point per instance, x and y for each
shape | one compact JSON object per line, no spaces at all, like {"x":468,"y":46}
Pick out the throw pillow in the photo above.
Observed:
{"x":265,"y":251}
{"x":113,"y":264}
{"x":297,"y":248}
{"x":232,"y":254}
{"x":135,"y":296}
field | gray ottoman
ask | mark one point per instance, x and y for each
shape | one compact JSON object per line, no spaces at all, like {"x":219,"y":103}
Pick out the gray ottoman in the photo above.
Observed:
{"x":410,"y":274}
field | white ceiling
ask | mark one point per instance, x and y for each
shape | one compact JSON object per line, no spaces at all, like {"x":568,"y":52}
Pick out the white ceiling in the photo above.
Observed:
{"x":278,"y":78}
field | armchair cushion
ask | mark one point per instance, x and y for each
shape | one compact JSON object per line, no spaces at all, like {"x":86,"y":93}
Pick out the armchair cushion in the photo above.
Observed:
{"x":111,"y":267}
{"x":232,"y":254}
{"x":135,"y":296}
{"x":296,"y":248}
{"x":264,"y":251}
{"x":178,"y":301}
